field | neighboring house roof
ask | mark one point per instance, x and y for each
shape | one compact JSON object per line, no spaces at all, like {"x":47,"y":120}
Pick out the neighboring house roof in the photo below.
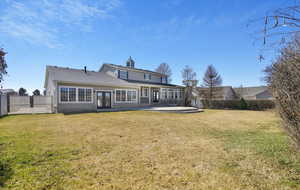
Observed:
{"x":130,"y":68}
{"x":79,"y":76}
{"x":219,"y":92}
{"x":7,"y":91}
{"x":250,"y":91}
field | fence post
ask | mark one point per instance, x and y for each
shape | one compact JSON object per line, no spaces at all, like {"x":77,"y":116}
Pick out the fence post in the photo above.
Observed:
{"x":31,"y":101}
{"x":0,"y":105}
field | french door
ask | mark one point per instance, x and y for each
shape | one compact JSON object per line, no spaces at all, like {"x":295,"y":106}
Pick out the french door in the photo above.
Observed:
{"x":155,"y":95}
{"x":103,"y":99}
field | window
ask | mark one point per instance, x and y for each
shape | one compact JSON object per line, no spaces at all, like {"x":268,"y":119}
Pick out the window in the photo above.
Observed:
{"x":145,"y":92}
{"x":84,"y":94}
{"x":147,"y":76}
{"x":81,"y":94}
{"x":72,"y":94}
{"x":181,"y":93}
{"x":88,"y":94}
{"x":176,"y":92}
{"x":123,"y":74}
{"x":164,"y":93}
{"x":120,"y":95}
{"x":75,"y":95}
{"x":131,"y":96}
{"x":126,"y":96}
{"x":164,"y":80}
{"x":64,"y":94}
{"x":171,"y":94}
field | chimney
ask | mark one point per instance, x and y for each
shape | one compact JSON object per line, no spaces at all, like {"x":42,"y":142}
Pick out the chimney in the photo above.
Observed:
{"x":85,"y":69}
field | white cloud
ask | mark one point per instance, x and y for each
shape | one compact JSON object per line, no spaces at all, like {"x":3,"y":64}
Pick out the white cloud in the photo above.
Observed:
{"x":41,"y":21}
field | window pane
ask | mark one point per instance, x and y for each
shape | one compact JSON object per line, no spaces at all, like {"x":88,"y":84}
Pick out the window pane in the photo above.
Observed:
{"x":118,"y":95}
{"x":81,"y":94}
{"x":145,"y":92}
{"x":133,"y":95}
{"x":64,"y":94}
{"x":123,"y":95}
{"x":181,"y":94}
{"x":72,"y":94}
{"x":129,"y":96}
{"x":88,"y":95}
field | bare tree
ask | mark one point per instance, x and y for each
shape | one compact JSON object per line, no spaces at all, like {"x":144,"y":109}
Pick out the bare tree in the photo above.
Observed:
{"x":283,"y":77}
{"x":165,"y":69}
{"x":211,"y":79}
{"x":278,"y":26}
{"x":281,"y":29}
{"x":188,"y":74}
{"x":3,"y":65}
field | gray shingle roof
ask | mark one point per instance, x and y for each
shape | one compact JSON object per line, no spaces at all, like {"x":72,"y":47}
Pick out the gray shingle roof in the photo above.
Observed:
{"x":218,"y":92}
{"x":78,"y":76}
{"x":134,"y":69}
{"x":250,"y":91}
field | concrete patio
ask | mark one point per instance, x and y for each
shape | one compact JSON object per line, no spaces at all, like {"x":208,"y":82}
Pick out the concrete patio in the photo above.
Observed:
{"x":170,"y":109}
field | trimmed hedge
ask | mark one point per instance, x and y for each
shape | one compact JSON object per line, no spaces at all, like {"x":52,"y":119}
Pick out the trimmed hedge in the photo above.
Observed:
{"x":239,"y":104}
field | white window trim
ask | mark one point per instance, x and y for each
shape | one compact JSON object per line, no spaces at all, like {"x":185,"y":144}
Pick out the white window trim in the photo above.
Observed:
{"x":76,"y":101}
{"x":126,"y":101}
{"x":142,"y":93}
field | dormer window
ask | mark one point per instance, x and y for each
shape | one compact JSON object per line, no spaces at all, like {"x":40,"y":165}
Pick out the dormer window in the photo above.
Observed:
{"x":122,"y":74}
{"x":164,"y":80}
{"x":147,"y":76}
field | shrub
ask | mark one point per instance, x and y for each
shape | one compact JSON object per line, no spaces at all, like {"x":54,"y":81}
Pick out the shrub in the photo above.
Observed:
{"x":283,"y":77}
{"x":243,"y":104}
{"x":239,"y":104}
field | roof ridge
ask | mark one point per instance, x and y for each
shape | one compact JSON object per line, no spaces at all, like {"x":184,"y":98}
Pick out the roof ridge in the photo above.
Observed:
{"x":134,"y":68}
{"x":68,"y":68}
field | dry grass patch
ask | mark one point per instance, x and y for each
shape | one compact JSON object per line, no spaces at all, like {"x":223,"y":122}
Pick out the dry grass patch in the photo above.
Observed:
{"x":147,"y":150}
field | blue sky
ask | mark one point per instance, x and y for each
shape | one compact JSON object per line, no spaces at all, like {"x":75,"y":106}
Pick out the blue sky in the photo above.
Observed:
{"x":78,"y":33}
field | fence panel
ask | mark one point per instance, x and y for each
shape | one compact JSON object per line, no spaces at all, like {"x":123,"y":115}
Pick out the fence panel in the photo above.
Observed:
{"x":43,"y":102}
{"x":19,"y":103}
{"x":30,"y":104}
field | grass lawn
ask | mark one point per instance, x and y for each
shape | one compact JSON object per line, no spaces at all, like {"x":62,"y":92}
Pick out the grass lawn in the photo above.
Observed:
{"x":147,"y":150}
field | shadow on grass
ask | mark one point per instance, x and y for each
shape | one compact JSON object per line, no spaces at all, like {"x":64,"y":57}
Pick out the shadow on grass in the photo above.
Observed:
{"x":5,"y":172}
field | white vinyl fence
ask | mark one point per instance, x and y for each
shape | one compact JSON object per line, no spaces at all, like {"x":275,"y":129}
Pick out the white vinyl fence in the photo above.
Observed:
{"x":3,"y":105}
{"x":30,"y":104}
{"x":18,"y":103}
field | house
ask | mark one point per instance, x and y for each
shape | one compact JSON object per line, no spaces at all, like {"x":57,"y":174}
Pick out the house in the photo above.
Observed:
{"x":218,"y":93}
{"x":113,"y":86}
{"x":254,"y":93}
{"x":8,"y":92}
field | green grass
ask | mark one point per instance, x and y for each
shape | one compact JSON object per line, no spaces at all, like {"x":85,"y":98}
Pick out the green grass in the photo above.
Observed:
{"x":147,"y":150}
